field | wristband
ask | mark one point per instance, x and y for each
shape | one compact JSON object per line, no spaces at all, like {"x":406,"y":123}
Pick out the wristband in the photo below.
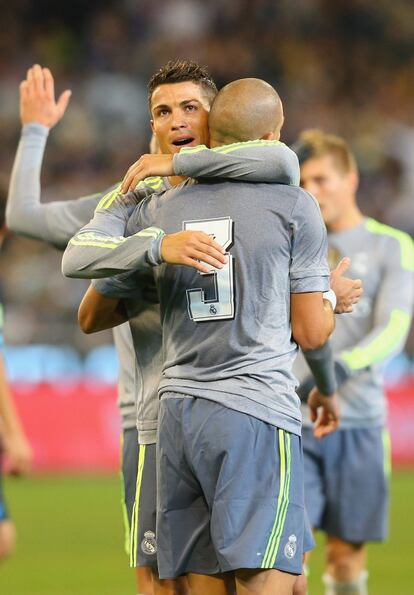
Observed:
{"x":331,"y":297}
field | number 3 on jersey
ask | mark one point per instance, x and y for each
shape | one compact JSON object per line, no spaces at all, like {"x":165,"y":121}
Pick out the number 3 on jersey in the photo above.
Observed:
{"x":221,"y":303}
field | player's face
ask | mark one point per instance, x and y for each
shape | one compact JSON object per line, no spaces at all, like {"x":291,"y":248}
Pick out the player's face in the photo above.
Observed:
{"x":332,"y":188}
{"x":179,"y":116}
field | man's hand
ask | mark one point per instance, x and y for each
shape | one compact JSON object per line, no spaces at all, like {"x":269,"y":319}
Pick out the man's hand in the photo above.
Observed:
{"x":347,"y":291}
{"x":18,"y":454}
{"x":190,"y":247}
{"x":324,"y":412}
{"x":146,"y":166}
{"x":37,"y":98}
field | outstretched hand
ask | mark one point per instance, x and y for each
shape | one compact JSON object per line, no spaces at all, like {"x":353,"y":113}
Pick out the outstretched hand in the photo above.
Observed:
{"x":37,"y":98}
{"x":194,"y":249}
{"x":347,"y":291}
{"x":146,"y":166}
{"x":324,"y":411}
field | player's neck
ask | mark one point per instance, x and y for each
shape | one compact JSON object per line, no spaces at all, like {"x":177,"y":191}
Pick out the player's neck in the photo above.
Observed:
{"x":351,"y":218}
{"x":175,"y":180}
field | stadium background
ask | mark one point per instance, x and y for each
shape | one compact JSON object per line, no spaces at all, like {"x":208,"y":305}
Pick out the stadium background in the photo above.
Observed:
{"x":346,"y":66}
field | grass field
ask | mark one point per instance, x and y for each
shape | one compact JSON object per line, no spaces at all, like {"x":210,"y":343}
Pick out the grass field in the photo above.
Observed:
{"x":70,"y":540}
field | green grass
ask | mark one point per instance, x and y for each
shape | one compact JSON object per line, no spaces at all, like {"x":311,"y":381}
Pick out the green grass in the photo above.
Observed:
{"x":71,"y":536}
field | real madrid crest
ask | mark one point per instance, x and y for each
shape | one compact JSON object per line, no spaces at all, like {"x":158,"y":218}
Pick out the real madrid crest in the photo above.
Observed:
{"x":291,"y":546}
{"x":148,"y":544}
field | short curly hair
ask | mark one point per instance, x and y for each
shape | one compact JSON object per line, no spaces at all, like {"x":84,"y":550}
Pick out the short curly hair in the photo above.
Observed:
{"x":315,"y":143}
{"x":180,"y":71}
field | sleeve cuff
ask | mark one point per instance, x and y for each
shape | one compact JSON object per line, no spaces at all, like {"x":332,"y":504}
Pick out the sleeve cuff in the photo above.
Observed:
{"x":154,"y":257}
{"x":34,"y":128}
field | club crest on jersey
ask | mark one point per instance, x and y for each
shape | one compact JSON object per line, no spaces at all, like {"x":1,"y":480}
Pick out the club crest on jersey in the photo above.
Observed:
{"x":291,"y":546}
{"x":148,"y":544}
{"x":213,"y":310}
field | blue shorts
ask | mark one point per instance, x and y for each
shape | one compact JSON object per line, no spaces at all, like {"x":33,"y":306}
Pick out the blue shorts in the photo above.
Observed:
{"x":3,"y":509}
{"x":230,"y":491}
{"x":143,"y":545}
{"x":346,"y":483}
{"x":139,"y":536}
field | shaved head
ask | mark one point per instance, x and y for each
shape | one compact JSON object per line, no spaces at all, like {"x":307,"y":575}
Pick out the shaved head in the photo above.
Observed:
{"x":246,"y":109}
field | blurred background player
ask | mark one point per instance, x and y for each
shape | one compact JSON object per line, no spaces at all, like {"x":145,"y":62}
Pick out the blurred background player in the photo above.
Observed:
{"x":15,"y":450}
{"x":346,"y":473}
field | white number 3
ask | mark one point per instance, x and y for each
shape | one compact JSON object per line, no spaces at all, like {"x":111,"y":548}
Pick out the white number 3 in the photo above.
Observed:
{"x":221,"y":303}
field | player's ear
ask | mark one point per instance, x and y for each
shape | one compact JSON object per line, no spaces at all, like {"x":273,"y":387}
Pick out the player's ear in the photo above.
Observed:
{"x":270,"y":136}
{"x":353,"y":180}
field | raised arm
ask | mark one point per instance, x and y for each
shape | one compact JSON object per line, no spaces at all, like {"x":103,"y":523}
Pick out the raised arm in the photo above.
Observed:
{"x":53,"y":222}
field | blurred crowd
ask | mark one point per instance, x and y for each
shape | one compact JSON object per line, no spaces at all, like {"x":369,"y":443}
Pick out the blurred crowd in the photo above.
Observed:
{"x":345,"y":66}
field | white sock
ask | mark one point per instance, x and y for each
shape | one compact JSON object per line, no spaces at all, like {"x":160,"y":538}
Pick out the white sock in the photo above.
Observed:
{"x":356,"y":587}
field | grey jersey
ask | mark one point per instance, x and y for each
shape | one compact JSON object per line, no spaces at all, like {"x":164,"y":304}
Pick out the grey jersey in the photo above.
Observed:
{"x":376,"y":330}
{"x":227,"y":335}
{"x":100,"y":249}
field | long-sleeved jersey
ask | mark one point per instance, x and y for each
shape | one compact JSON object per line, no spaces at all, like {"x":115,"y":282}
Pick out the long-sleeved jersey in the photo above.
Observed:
{"x":227,"y":335}
{"x":376,"y":330}
{"x":98,"y":249}
{"x":56,"y":222}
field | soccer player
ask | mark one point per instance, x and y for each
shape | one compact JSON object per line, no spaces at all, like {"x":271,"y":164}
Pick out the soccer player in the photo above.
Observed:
{"x":56,"y":222}
{"x":14,"y":446}
{"x":346,"y":473}
{"x":230,"y":483}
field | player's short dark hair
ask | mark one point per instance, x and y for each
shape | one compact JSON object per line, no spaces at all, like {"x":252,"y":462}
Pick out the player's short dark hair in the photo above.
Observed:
{"x":2,"y":213}
{"x":314,"y":143}
{"x":181,"y":71}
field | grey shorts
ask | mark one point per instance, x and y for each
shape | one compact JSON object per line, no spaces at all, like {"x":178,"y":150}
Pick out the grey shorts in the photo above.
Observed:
{"x":143,"y":545}
{"x":138,"y":462}
{"x":230,"y":491}
{"x":346,"y":483}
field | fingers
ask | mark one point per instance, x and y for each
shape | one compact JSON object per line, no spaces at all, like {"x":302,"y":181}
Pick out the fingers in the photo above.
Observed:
{"x":24,"y":90}
{"x":135,"y":174}
{"x":131,"y":179}
{"x":63,"y":101}
{"x":49,"y":84}
{"x":343,"y":265}
{"x":203,"y":250}
{"x":39,"y":83}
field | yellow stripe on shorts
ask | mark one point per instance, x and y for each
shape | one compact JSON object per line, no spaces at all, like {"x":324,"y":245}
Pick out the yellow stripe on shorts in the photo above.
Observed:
{"x":135,"y":511}
{"x":272,"y":548}
{"x":127,"y":530}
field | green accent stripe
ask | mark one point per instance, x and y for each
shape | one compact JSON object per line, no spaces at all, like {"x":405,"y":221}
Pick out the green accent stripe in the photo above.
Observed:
{"x":90,"y":239}
{"x":127,"y":531}
{"x":154,"y":183}
{"x":386,"y":444}
{"x":383,"y":344}
{"x":406,"y":243}
{"x":231,"y":147}
{"x":97,"y":240}
{"x":154,"y":232}
{"x":135,"y":512}
{"x":266,"y":562}
{"x":109,"y":198}
{"x":285,"y":502}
